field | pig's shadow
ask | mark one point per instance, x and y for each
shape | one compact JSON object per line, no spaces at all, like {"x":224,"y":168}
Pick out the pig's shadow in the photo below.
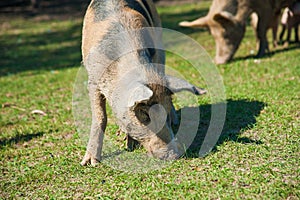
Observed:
{"x":19,"y":138}
{"x":240,"y":115}
{"x":291,"y":47}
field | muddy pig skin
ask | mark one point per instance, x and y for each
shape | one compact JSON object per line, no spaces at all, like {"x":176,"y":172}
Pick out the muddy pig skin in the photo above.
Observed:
{"x":119,"y":52}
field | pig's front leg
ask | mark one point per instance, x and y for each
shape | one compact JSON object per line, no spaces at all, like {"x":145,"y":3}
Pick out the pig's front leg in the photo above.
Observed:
{"x":99,"y":120}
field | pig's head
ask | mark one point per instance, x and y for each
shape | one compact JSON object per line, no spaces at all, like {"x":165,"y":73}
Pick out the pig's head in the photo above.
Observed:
{"x":150,"y":107}
{"x":226,"y":30}
{"x":150,"y":112}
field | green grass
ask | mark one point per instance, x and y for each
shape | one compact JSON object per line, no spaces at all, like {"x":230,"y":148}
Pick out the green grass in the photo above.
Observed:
{"x":257,"y":156}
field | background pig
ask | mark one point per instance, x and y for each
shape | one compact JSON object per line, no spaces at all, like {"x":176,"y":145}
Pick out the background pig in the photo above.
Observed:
{"x":290,"y":19}
{"x":227,"y":21}
{"x":119,"y":55}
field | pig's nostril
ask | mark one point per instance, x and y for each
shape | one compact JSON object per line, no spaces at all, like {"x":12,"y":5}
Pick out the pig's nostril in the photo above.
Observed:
{"x":158,"y":117}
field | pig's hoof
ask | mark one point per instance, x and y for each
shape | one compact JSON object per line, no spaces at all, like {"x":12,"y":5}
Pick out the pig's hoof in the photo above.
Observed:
{"x":89,"y":159}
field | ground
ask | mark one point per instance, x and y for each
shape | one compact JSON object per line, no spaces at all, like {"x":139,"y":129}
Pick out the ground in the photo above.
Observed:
{"x":256,"y":157}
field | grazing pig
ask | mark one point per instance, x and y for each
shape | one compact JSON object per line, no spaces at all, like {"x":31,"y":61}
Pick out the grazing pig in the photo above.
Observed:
{"x":226,"y":21}
{"x":290,"y":19}
{"x":119,"y":53}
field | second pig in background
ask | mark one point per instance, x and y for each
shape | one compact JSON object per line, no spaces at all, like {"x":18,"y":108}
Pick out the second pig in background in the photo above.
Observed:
{"x":226,"y":21}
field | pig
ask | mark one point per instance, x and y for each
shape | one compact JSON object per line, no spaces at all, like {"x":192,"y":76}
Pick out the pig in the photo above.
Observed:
{"x":274,"y":23}
{"x":290,"y":19}
{"x":125,"y":67}
{"x":226,"y":21}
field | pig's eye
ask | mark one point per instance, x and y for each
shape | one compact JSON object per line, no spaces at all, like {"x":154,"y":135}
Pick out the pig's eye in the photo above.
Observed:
{"x":151,"y":52}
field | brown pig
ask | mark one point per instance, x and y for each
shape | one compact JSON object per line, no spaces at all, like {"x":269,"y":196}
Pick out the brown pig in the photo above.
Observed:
{"x":227,"y":19}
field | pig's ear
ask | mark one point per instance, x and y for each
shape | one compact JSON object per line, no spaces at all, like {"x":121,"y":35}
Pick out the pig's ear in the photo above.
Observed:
{"x":139,"y":94}
{"x":224,"y":18}
{"x":201,"y":22}
{"x":177,"y":85}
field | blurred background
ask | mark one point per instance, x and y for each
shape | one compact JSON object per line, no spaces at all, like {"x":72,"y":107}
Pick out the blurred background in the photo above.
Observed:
{"x":59,"y":7}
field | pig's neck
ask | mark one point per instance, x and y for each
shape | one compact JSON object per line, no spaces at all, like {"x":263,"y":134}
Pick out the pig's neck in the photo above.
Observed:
{"x":243,"y":12}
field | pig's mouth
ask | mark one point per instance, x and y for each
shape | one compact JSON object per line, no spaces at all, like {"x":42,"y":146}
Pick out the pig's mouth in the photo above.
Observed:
{"x":225,"y":50}
{"x":224,"y":54}
{"x":169,"y":154}
{"x":168,"y":151}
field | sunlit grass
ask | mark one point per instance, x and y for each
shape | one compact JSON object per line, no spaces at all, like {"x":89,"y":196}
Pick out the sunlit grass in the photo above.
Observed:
{"x":256,"y":157}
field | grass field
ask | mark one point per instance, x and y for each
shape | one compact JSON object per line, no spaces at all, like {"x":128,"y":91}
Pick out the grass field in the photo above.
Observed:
{"x":257,"y":155}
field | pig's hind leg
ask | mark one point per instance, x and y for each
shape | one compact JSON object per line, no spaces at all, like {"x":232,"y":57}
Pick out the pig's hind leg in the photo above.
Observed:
{"x":99,"y":121}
